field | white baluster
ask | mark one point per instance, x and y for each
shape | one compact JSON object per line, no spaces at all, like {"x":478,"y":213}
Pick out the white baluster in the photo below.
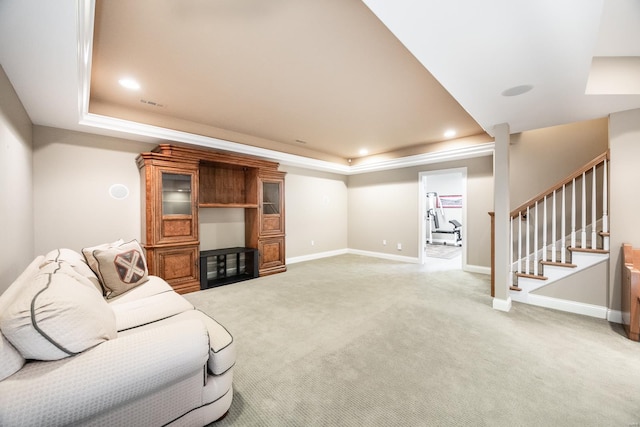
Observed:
{"x":511,"y":248}
{"x":583,"y":243}
{"x":553,"y":228}
{"x":573,"y":213}
{"x":535,"y":242}
{"x":605,"y":209}
{"x":563,"y":246}
{"x":526,"y":266}
{"x":519,"y":242}
{"x":544,"y":229}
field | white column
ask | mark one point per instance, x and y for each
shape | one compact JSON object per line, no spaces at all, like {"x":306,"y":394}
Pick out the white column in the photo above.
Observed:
{"x":535,"y":242}
{"x":502,"y":300}
{"x":563,"y":238}
{"x":583,"y":234}
{"x":594,"y":239}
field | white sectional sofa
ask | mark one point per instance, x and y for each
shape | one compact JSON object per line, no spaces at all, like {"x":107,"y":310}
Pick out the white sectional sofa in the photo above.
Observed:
{"x":77,"y":348}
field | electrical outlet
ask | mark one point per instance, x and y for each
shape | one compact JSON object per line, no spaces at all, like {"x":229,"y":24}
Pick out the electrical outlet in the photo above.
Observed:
{"x":399,"y":246}
{"x":384,"y":242}
{"x":313,"y":243}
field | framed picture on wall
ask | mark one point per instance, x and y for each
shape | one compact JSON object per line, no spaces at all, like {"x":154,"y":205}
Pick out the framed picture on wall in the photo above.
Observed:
{"x":451,"y":201}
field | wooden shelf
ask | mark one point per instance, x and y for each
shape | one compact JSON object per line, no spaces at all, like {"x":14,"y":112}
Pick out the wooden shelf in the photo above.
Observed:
{"x":228,"y":205}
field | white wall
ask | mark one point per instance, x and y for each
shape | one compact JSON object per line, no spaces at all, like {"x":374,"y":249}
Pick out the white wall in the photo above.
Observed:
{"x":73,"y":172}
{"x":316,"y":211}
{"x":16,"y":187}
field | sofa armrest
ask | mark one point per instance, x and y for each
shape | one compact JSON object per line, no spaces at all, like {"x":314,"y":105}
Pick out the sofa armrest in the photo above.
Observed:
{"x":117,"y":371}
{"x":222,"y":351}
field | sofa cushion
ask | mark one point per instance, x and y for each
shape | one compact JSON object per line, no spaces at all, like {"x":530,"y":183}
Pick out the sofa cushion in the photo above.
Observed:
{"x":155,"y":285}
{"x":121,"y":268}
{"x":11,"y":358}
{"x":75,"y":260}
{"x":56,"y":315}
{"x":148,"y":310}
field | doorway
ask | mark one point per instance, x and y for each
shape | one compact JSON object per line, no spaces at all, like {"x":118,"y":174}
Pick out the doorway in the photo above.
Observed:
{"x":443,"y":216}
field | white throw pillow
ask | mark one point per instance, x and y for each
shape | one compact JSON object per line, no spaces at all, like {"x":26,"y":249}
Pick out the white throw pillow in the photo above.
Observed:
{"x":121,"y":268}
{"x":56,"y":315}
{"x":77,"y":261}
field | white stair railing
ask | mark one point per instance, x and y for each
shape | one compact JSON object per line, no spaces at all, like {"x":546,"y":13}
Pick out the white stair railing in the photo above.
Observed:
{"x":525,"y":258}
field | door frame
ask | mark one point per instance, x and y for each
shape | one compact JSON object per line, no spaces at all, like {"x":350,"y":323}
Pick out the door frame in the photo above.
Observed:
{"x":422,"y":211}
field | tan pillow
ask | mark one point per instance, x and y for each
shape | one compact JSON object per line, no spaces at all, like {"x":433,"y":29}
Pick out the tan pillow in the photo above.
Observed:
{"x":57,"y":314}
{"x":121,"y":268}
{"x":93,"y":263}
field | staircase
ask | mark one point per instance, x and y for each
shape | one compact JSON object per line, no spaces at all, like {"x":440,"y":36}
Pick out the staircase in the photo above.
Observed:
{"x":561,"y":231}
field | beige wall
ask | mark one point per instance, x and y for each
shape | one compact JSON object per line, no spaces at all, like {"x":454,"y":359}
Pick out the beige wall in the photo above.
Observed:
{"x":316,"y":210}
{"x":73,"y":172}
{"x":584,"y":287}
{"x":542,"y":157}
{"x":73,"y":208}
{"x":385,"y":206}
{"x":624,"y":202}
{"x":16,"y":187}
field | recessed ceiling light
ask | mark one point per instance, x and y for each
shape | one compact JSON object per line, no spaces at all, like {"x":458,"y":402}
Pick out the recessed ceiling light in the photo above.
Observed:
{"x":364,"y":152}
{"x":129,"y":84}
{"x":450,"y":133}
{"x":517,"y":90}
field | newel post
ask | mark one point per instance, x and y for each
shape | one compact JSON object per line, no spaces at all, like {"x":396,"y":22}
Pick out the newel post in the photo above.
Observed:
{"x":502,"y":281}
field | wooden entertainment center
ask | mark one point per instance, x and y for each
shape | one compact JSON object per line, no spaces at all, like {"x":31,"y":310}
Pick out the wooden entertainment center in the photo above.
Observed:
{"x":177,"y":181}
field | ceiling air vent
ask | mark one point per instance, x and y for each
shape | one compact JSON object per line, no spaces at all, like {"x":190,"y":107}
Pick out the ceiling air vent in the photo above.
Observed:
{"x":152,"y":103}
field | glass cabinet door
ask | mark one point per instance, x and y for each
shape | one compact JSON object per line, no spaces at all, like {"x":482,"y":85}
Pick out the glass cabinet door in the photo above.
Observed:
{"x":176,"y":194}
{"x":271,"y":198}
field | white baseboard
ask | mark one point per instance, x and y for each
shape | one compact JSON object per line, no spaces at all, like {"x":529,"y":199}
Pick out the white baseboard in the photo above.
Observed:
{"x":319,"y":255}
{"x":477,"y":269}
{"x":392,"y":257}
{"x":569,"y":306}
{"x":502,"y":304}
{"x":614,"y":316}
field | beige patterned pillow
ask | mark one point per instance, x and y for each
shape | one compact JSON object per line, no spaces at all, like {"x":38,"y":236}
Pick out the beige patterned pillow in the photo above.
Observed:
{"x":121,"y":268}
{"x":91,"y":260}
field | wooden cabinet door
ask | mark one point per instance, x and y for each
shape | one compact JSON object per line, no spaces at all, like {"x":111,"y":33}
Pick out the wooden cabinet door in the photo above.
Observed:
{"x":177,"y":265}
{"x":177,"y":205}
{"x":271,"y":206}
{"x":272,"y":255}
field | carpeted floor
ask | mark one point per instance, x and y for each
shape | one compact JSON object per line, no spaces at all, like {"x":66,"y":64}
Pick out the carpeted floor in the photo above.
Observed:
{"x":359,"y":341}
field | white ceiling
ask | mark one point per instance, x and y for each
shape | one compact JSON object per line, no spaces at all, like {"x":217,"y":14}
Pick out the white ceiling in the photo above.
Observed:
{"x":475,"y":50}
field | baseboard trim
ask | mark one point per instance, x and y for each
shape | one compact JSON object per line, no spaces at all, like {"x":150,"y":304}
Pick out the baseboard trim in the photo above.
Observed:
{"x":413,"y":260}
{"x":318,"y":255}
{"x":477,"y":269}
{"x":502,"y":304}
{"x":615,"y":316}
{"x":591,"y":310}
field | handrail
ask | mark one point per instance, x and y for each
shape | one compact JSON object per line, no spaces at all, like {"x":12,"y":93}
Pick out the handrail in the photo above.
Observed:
{"x":531,"y":202}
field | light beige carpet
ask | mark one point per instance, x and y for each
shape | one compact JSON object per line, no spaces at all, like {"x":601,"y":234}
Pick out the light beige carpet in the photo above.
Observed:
{"x":358,"y":341}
